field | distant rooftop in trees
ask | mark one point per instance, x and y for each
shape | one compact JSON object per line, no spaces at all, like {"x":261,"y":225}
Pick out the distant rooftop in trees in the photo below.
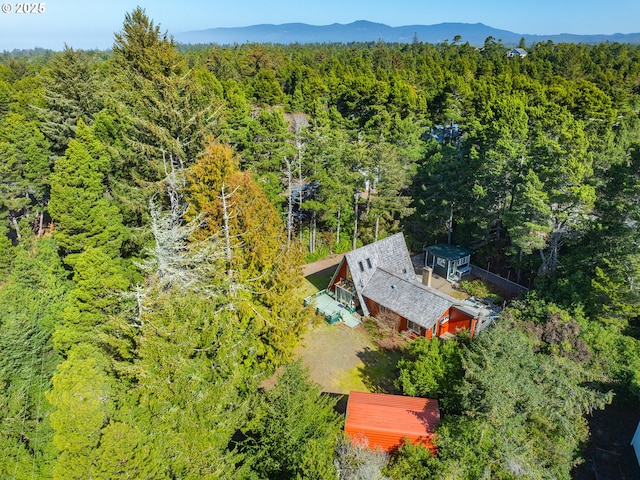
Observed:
{"x":516,"y":53}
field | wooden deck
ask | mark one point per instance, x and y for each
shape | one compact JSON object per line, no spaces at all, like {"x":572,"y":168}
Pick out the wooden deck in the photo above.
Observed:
{"x":330,"y":308}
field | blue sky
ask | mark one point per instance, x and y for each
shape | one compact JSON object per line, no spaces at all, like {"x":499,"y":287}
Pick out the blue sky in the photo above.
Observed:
{"x":91,"y":23}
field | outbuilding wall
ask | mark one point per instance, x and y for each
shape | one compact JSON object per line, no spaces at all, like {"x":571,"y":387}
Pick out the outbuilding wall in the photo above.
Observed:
{"x":458,"y":320}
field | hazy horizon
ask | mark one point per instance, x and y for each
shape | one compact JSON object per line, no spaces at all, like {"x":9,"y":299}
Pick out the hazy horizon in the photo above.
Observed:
{"x":92,"y":25}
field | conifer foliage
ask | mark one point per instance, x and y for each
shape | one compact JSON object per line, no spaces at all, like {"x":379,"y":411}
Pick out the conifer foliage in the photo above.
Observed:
{"x":299,"y":432}
{"x":72,"y":93}
{"x":156,"y":202}
{"x":31,"y":303}
{"x":257,"y":258}
{"x":80,"y":205}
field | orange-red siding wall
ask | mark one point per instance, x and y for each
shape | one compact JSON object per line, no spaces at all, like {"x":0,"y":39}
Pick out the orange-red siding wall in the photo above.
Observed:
{"x":458,"y":320}
{"x":439,"y":330}
{"x":374,"y":310}
{"x":342,"y":273}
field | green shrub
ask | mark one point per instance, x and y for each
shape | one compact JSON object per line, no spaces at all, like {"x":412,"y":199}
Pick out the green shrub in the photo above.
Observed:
{"x":478,"y":288}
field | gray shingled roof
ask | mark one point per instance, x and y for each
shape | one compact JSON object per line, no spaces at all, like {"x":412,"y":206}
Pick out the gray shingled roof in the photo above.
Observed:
{"x":390,"y":254}
{"x":412,"y":300}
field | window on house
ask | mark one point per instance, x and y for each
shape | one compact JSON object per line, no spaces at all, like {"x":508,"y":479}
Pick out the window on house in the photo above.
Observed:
{"x":369,"y":263}
{"x":444,"y":320}
{"x":433,"y":330}
{"x":414,"y":327}
{"x":441,"y":262}
{"x":361,"y":266}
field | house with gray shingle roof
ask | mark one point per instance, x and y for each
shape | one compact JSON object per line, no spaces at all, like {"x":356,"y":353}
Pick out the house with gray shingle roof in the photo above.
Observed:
{"x":379,"y":279}
{"x":516,"y":53}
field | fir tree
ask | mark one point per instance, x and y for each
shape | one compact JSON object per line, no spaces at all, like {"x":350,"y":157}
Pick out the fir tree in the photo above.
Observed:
{"x":298,"y":434}
{"x":73,"y":92}
{"x":31,"y":303}
{"x":83,"y":214}
{"x":24,"y":173}
{"x":234,"y":207}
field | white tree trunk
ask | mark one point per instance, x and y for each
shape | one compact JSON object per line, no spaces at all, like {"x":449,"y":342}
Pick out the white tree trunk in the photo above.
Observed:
{"x":355,"y":225}
{"x":519,"y":273}
{"x":40,"y":223}
{"x":290,"y":210}
{"x":312,"y":234}
{"x":450,"y":225}
{"x":338,"y":228}
{"x":14,"y":222}
{"x":375,"y":238}
{"x":227,"y":235}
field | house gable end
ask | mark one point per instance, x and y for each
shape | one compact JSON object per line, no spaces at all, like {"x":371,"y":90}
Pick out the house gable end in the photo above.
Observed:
{"x":336,"y":275}
{"x":390,"y":253}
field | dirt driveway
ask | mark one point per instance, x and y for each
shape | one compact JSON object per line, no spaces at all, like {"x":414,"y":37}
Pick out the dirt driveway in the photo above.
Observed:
{"x":341,"y":359}
{"x":327,"y":263}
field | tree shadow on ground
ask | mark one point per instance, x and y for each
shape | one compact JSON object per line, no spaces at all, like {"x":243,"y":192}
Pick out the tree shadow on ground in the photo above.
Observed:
{"x":320,"y":280}
{"x":341,"y":401}
{"x":380,"y":369}
{"x":608,"y":452}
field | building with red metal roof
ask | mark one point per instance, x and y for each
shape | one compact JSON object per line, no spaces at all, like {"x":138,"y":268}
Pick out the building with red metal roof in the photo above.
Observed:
{"x":385,"y":421}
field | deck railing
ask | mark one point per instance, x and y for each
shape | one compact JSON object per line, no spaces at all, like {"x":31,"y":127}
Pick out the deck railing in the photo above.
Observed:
{"x":309,"y":299}
{"x":330,"y":317}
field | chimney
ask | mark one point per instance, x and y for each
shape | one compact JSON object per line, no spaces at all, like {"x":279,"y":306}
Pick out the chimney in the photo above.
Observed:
{"x":427,"y":272}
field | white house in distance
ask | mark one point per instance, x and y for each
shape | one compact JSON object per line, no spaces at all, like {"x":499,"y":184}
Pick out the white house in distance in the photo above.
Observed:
{"x":516,"y":53}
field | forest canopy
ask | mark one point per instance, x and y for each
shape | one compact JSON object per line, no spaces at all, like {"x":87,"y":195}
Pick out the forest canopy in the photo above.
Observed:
{"x":157,"y":202}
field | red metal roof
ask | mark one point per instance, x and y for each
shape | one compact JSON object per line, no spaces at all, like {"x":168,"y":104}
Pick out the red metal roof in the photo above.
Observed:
{"x":385,"y":420}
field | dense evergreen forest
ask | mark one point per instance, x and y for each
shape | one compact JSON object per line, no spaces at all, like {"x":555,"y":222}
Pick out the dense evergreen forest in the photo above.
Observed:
{"x":157,"y":201}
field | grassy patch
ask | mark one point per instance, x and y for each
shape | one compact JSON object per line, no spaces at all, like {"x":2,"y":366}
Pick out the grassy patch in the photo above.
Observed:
{"x":457,"y":294}
{"x":341,"y":359}
{"x":319,"y":281}
{"x":479,"y":289}
{"x":307,"y":288}
{"x":373,"y":328}
{"x":351,"y":381}
{"x":378,"y":371}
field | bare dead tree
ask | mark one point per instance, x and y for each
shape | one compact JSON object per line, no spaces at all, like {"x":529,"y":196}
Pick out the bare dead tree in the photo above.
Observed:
{"x":175,"y":181}
{"x":389,"y":319}
{"x":355,"y":460}
{"x":226,"y":217}
{"x":290,"y":195}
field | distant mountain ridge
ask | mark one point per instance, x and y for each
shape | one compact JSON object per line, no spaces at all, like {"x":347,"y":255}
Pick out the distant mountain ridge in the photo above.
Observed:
{"x":365,"y":31}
